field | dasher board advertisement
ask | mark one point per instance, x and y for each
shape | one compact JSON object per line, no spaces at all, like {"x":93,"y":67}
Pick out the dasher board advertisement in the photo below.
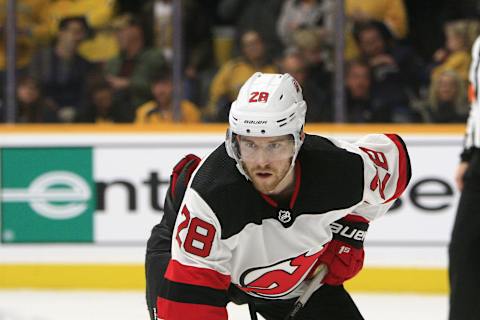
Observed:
{"x":110,"y":189}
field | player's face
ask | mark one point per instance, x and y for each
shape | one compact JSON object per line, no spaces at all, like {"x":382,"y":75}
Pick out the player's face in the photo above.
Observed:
{"x":266,"y":160}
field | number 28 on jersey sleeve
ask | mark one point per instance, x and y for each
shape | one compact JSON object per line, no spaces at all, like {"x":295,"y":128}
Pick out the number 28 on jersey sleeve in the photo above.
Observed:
{"x":387,"y":167}
{"x":200,"y":234}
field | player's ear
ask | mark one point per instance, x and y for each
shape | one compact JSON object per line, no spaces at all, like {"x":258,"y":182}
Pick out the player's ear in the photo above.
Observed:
{"x":302,"y":135}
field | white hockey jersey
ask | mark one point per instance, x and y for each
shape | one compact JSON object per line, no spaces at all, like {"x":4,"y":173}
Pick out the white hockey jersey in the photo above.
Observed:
{"x":472,"y":134}
{"x":226,"y":232}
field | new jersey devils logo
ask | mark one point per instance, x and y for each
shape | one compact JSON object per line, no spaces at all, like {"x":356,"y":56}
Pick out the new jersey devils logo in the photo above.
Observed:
{"x":280,"y":278}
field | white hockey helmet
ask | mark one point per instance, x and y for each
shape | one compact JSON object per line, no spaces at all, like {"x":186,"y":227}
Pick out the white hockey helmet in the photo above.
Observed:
{"x":267,"y":105}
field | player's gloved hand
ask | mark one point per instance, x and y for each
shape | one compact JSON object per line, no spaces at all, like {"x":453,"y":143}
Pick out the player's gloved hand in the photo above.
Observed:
{"x":344,"y":253}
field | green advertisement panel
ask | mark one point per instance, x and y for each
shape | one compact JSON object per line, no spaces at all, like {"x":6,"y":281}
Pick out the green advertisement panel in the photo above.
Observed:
{"x":47,"y":195}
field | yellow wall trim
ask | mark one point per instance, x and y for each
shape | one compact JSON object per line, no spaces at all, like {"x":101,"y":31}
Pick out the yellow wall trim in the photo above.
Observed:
{"x":131,"y":277}
{"x":81,"y":276}
{"x":418,"y":280}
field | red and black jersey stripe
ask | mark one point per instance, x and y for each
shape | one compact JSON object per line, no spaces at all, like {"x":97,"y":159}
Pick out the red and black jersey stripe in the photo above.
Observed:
{"x":404,"y":168}
{"x":199,"y":293}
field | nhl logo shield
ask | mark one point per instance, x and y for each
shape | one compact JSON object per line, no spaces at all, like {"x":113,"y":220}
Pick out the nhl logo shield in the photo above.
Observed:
{"x":284,"y":216}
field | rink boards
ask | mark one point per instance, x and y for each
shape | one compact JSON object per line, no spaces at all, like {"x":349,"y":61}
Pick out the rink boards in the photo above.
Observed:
{"x":78,"y":203}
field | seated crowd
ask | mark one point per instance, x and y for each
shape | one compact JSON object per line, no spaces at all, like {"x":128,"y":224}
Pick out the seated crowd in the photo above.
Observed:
{"x":93,"y":61}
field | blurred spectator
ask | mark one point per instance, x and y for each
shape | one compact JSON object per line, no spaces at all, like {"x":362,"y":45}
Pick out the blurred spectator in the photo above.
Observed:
{"x":447,"y":99}
{"x":31,"y":29}
{"x":358,"y":85}
{"x":102,"y":107}
{"x":304,"y":14}
{"x":130,"y":72}
{"x":256,"y":15}
{"x":316,"y":53}
{"x":227,"y":82}
{"x":101,"y":45}
{"x":197,"y":52}
{"x":425,"y":19}
{"x":161,"y":109}
{"x":294,"y":64}
{"x":2,"y":99}
{"x":391,"y":13}
{"x":32,"y":106}
{"x":159,"y":14}
{"x":199,"y":59}
{"x":61,"y":71}
{"x":456,"y":53}
{"x":395,"y":70}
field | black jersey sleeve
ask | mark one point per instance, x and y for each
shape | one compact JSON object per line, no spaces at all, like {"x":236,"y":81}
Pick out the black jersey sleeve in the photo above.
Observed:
{"x":159,"y":244}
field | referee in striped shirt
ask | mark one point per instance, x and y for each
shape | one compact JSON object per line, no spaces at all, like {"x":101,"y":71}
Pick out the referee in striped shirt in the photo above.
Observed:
{"x":464,"y":249}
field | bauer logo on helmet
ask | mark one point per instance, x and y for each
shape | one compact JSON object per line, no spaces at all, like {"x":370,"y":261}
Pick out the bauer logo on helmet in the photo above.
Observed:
{"x":255,"y":122}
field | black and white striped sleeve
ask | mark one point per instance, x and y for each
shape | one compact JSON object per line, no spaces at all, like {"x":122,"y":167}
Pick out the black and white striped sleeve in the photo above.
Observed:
{"x":472,"y":134}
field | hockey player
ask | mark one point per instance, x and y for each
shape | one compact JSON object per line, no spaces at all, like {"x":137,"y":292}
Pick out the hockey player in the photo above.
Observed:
{"x":263,"y":211}
{"x":463,"y":250}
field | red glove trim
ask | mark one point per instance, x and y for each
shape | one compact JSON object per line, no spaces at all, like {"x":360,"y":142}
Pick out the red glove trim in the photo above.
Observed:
{"x":177,"y":170}
{"x":355,"y":218}
{"x":343,"y":262}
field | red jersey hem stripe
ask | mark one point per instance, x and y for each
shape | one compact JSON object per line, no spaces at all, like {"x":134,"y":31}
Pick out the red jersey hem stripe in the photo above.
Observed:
{"x":172,"y":310}
{"x":181,"y":273}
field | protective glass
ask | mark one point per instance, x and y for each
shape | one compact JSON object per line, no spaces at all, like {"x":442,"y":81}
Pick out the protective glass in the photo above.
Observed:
{"x":271,"y":148}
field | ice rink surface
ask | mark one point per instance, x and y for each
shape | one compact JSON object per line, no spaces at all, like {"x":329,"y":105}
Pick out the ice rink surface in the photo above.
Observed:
{"x":101,"y":305}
